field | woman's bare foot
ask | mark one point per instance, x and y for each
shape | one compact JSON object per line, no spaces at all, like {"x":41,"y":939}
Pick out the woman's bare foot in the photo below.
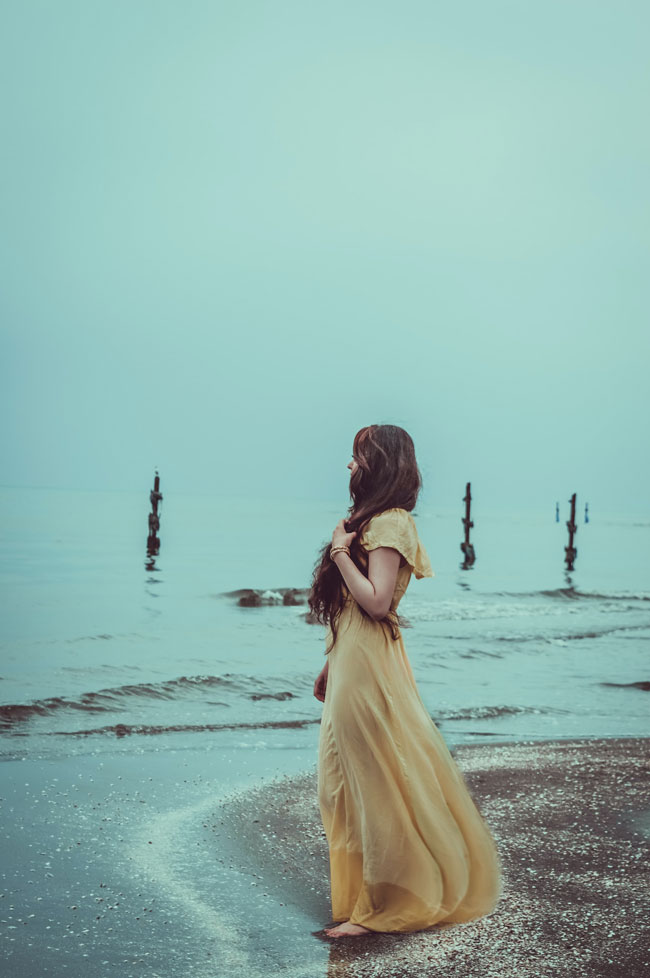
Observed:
{"x":346,"y":929}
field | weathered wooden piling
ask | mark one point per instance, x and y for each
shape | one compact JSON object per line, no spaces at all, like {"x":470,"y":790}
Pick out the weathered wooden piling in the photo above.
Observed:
{"x":155,"y":497}
{"x":466,"y":546}
{"x":571,"y":551}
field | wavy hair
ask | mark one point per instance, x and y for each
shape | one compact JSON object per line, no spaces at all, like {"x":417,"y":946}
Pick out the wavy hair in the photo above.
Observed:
{"x":387,"y":477}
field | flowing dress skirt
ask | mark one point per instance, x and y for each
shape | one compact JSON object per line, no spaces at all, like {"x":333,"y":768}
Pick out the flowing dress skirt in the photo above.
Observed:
{"x":408,"y":847}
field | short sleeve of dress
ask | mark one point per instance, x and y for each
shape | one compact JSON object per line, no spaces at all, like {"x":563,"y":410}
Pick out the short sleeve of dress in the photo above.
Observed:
{"x":396,"y":528}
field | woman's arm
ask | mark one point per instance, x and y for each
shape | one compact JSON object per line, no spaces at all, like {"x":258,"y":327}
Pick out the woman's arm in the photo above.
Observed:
{"x":375,"y":592}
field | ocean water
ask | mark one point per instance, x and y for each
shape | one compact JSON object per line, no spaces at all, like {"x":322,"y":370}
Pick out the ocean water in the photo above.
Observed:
{"x":99,"y":646}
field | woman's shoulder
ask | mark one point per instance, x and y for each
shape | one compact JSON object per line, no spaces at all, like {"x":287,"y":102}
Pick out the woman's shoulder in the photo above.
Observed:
{"x":395,"y":527}
{"x":395,"y":515}
{"x":390,"y":521}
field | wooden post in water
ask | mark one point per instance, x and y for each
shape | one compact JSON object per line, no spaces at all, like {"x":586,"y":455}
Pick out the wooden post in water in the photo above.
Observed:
{"x":466,"y":546}
{"x":570,"y":551}
{"x":155,"y":497}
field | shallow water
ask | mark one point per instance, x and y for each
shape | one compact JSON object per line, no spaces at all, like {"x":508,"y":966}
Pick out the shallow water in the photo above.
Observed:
{"x":98,"y":644}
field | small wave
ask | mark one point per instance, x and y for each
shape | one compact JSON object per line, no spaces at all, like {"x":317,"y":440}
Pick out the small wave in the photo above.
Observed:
{"x":112,"y":699}
{"x":479,"y":654}
{"x":599,"y":633}
{"x":91,"y":638}
{"x":526,"y":605}
{"x":494,"y":712}
{"x":574,"y":636}
{"x":487,"y":609}
{"x":129,"y":729}
{"x":572,"y":594}
{"x":641,"y":684}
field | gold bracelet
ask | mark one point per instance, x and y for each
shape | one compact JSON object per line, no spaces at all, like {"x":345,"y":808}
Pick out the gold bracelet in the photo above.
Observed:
{"x":339,"y":550}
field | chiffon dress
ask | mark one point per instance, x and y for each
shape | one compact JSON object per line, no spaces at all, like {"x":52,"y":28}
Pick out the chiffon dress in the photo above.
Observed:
{"x":408,"y":847}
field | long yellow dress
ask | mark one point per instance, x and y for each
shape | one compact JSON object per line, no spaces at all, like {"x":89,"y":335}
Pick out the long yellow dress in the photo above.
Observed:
{"x":408,"y":848}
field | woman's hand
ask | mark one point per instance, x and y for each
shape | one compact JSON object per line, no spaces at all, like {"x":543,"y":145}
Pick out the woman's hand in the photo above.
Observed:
{"x":321,"y":683}
{"x":340,"y":538}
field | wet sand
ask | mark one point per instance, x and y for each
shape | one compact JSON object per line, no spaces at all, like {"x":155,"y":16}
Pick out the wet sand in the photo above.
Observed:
{"x":196,"y":857}
{"x":572,"y":823}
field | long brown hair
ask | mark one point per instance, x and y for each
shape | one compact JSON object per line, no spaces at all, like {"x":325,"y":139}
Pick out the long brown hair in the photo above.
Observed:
{"x":387,"y":477}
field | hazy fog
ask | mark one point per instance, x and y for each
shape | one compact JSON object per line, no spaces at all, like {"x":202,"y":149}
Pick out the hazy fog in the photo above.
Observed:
{"x":235,"y":232}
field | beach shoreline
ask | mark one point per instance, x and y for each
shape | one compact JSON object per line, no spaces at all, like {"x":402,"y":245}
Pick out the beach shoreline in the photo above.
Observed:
{"x":148,"y":862}
{"x":571,"y":820}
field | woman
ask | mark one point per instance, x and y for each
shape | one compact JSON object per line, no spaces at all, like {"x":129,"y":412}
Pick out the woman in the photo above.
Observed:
{"x":408,"y":847}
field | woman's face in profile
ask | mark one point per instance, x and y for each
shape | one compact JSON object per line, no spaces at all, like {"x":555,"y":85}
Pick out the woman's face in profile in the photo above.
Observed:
{"x":352,"y":465}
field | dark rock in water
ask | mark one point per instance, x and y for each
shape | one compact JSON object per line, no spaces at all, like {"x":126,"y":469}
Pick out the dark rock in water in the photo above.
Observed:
{"x":255,"y":598}
{"x":292,"y":596}
{"x":250,"y":599}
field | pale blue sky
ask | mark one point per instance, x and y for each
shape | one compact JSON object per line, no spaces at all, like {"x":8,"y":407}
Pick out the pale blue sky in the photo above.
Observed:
{"x":234,"y":233}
